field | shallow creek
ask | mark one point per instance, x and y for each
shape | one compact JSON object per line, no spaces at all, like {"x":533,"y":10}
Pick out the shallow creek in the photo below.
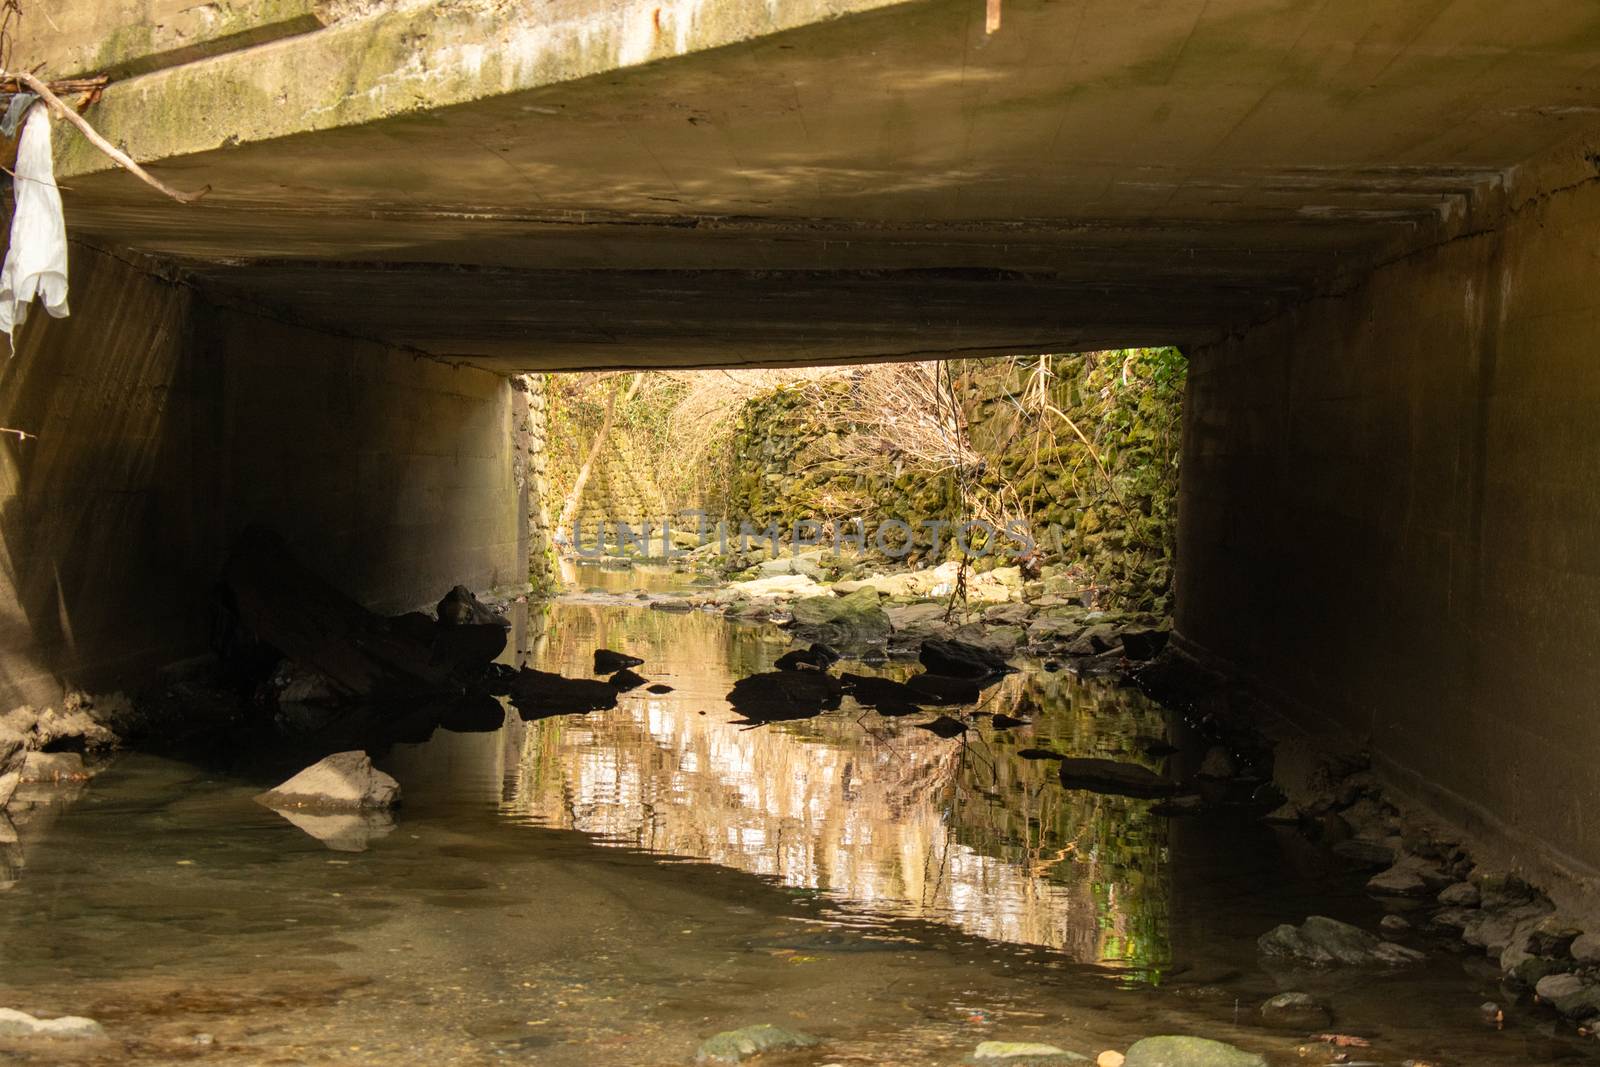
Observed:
{"x":613,"y":888}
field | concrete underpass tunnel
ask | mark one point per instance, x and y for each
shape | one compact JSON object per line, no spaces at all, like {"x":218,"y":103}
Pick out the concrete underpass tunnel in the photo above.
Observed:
{"x":1371,"y":229}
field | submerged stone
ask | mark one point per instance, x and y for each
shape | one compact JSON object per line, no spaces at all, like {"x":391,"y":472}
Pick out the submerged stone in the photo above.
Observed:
{"x":1295,"y":1011}
{"x":733,"y":1046}
{"x":15,"y":1023}
{"x":1322,"y":941}
{"x":1117,"y":779}
{"x":1023,"y":1054}
{"x":1188,"y":1052}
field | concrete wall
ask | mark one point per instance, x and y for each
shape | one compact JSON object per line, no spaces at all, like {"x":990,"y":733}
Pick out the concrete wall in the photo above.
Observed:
{"x":1390,"y":514}
{"x":165,"y":425}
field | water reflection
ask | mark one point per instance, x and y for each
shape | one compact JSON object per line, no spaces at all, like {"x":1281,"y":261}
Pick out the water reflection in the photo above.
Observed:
{"x":871,"y":811}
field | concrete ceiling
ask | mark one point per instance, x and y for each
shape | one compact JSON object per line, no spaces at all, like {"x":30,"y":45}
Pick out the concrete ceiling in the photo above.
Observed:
{"x":888,"y":184}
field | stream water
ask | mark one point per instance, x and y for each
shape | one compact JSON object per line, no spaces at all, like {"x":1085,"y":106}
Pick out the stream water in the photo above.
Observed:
{"x":613,"y":888}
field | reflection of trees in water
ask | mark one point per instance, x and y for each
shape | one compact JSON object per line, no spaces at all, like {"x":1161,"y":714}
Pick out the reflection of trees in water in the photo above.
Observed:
{"x":870,"y":810}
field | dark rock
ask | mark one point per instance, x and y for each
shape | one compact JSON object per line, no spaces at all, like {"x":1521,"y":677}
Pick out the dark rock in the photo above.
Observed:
{"x":1142,"y":645}
{"x":782,"y":696}
{"x":1155,"y":747}
{"x":944,"y":726}
{"x":1364,"y":853}
{"x":460,"y":607}
{"x":1052,"y":665}
{"x":1118,"y":779}
{"x":481,"y":714}
{"x":1321,"y":941}
{"x":540,"y":694}
{"x":1460,"y":895}
{"x":1394,"y":924}
{"x":1552,"y":937}
{"x":1295,"y":1011}
{"x":625,"y":681}
{"x":1006,"y":722}
{"x":884,"y":694}
{"x":959,"y":659}
{"x":818,"y":657}
{"x":609,"y":662}
{"x":1218,"y":763}
{"x":943,"y":691}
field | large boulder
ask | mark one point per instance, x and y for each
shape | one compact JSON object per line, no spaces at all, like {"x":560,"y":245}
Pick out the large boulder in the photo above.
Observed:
{"x":1321,"y":941}
{"x":855,"y":619}
{"x":344,"y":781}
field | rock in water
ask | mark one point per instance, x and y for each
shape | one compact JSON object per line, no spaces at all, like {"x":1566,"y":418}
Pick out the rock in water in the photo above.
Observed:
{"x":1321,"y":941}
{"x":818,"y":657}
{"x":609,"y":662}
{"x":1118,"y":779}
{"x":732,"y":1046}
{"x":1023,"y":1054}
{"x":959,"y":659}
{"x":782,"y":696}
{"x":540,"y":694}
{"x":943,"y":690}
{"x":886,"y":695}
{"x":1572,"y":996}
{"x":944,"y":726}
{"x":1144,"y":644}
{"x":345,"y":781}
{"x":15,"y":1023}
{"x":625,"y":681}
{"x":1295,"y":1011}
{"x":461,"y":607}
{"x":841,"y":620}
{"x":1188,"y":1052}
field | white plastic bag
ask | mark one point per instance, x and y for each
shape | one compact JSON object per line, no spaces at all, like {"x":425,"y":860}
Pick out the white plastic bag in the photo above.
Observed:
{"x":36,"y":261}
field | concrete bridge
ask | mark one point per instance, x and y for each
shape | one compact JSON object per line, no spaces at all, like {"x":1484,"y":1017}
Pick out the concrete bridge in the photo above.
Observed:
{"x":1373,"y":225}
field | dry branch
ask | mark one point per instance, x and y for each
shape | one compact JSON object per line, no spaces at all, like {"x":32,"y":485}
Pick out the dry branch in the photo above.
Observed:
{"x":116,"y":155}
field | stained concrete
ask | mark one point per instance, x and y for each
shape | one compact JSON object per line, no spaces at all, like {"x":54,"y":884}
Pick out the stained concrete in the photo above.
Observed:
{"x":1390,"y":515}
{"x":165,"y":425}
{"x":621,"y":184}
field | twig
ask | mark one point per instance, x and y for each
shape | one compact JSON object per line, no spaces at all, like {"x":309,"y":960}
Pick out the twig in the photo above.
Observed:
{"x":117,"y":156}
{"x":60,"y":86}
{"x":22,"y":435}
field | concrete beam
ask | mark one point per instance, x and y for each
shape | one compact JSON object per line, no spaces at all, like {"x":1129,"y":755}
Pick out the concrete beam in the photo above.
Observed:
{"x":1098,"y":172}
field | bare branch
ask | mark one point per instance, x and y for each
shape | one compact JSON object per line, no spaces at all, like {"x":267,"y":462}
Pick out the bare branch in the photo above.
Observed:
{"x":117,"y":156}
